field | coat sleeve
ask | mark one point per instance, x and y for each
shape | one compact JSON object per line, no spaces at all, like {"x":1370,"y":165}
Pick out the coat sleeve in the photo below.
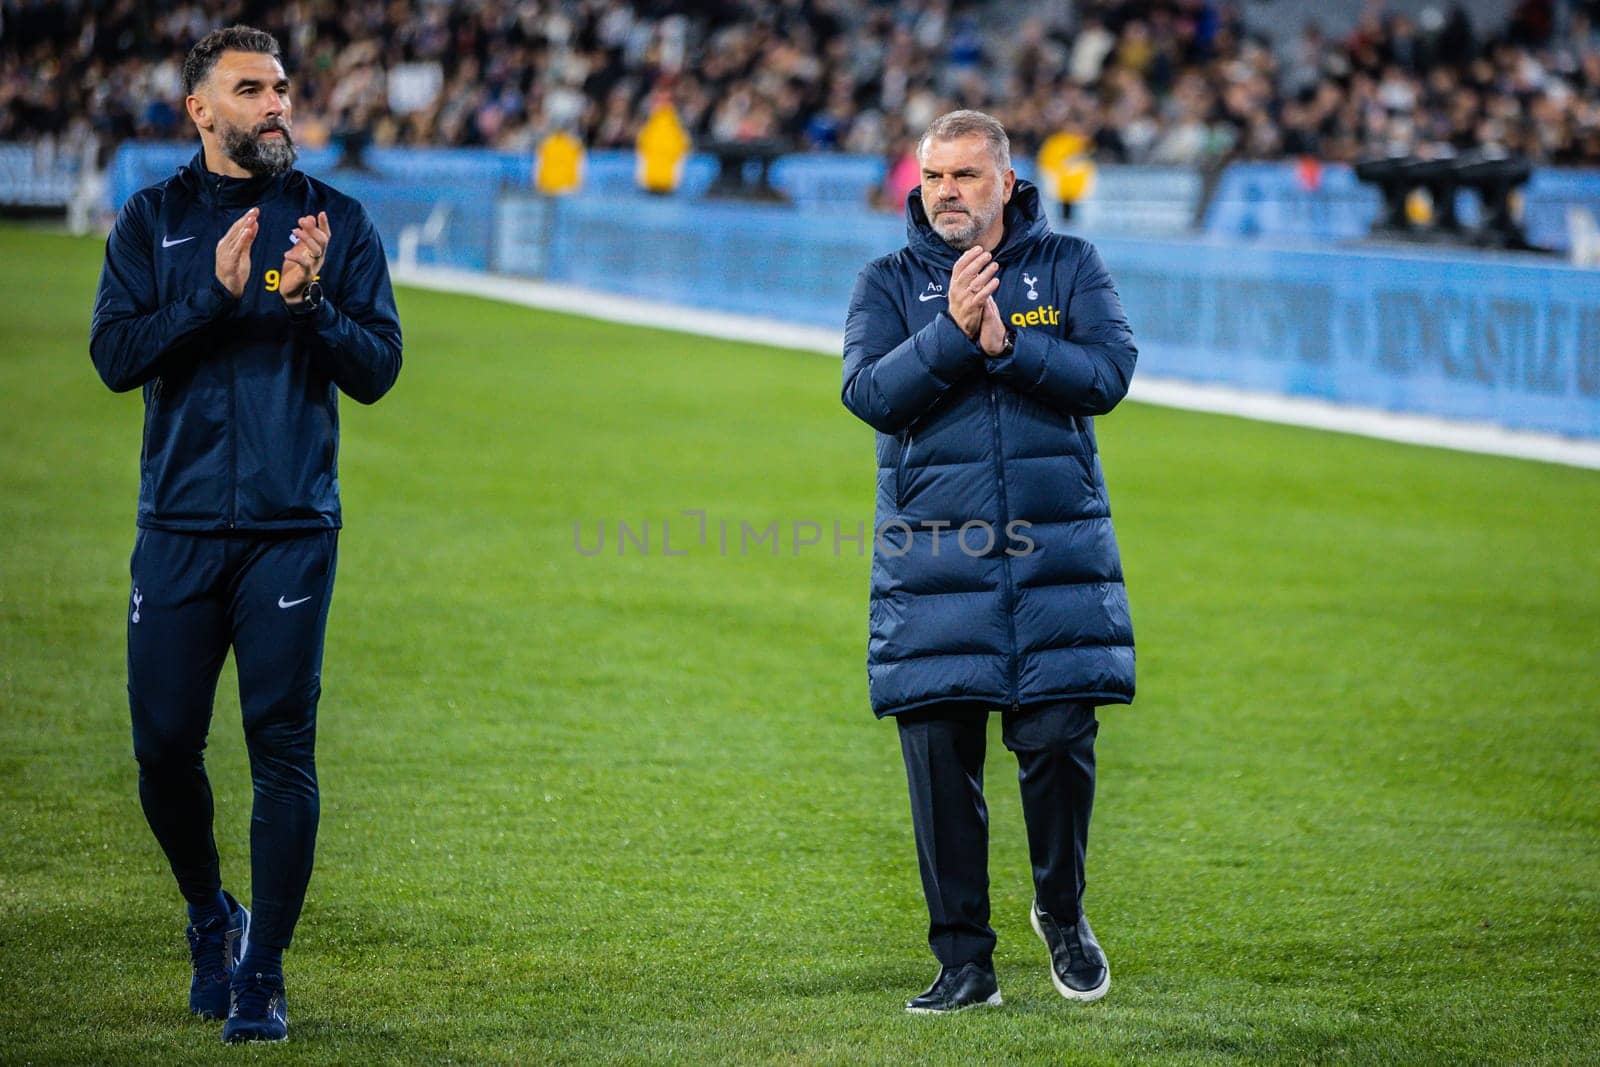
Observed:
{"x":891,"y":379}
{"x":354,"y":336}
{"x":130,"y":335}
{"x":1088,"y":372}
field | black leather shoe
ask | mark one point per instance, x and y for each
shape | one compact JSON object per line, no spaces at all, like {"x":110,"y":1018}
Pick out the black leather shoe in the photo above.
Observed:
{"x":1078,"y":968}
{"x":971,"y":985}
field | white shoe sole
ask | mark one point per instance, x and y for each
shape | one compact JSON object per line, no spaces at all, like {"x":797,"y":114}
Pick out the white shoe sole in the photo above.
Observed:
{"x":993,"y":1002}
{"x":1081,"y":995}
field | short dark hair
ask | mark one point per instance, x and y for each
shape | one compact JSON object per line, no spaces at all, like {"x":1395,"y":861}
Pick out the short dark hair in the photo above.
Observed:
{"x":203,"y":56}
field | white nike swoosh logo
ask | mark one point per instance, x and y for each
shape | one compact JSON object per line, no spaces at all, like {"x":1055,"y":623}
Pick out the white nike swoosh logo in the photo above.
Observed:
{"x":168,"y":242}
{"x":925,"y":297}
{"x":291,"y":603}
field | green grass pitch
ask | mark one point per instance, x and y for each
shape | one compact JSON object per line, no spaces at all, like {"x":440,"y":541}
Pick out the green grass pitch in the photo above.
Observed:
{"x":634,"y":808}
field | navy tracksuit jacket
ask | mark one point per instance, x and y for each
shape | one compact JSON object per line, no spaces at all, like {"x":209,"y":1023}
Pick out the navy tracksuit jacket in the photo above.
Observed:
{"x":238,"y":498}
{"x":241,"y":428}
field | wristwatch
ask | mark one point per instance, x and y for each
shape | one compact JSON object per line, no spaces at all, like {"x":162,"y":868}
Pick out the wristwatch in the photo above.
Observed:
{"x":310,"y":302}
{"x":1010,"y":346}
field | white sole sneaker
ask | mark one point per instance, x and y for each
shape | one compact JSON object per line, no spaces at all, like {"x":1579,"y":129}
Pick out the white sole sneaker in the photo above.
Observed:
{"x":1081,"y":995}
{"x":993,"y":1002}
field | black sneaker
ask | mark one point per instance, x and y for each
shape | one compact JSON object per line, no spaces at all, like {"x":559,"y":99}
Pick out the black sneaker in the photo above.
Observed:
{"x":259,"y":1011}
{"x":1077,"y":966}
{"x":215,"y":948}
{"x":972,"y":985}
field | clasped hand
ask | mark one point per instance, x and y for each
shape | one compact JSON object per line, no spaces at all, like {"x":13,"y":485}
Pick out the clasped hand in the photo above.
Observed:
{"x":973,"y":282}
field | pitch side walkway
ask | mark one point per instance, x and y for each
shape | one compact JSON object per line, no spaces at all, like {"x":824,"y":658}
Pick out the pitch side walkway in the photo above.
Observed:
{"x":1221,"y":400}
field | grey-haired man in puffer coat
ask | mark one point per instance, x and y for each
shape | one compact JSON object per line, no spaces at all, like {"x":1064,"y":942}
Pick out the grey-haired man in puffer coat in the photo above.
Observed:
{"x":980,"y":353}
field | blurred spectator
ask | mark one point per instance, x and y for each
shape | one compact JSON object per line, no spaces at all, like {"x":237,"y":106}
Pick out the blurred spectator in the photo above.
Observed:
{"x":558,"y":166}
{"x":902,"y":173}
{"x":1066,"y":173}
{"x":662,"y":148}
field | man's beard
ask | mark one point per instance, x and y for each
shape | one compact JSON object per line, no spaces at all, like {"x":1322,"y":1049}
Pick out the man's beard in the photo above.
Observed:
{"x":963,"y":234}
{"x":256,"y":153}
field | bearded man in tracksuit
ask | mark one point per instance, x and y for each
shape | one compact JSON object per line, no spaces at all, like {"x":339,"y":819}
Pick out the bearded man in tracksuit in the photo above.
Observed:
{"x":980,"y":353}
{"x":242,"y":296}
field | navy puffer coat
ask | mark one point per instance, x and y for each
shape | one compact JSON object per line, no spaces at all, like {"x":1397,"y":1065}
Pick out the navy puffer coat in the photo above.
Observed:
{"x":1005,"y":448}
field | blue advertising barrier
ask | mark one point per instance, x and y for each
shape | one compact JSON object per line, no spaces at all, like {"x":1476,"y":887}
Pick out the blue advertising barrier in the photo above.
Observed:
{"x":138,"y":164}
{"x":807,"y":179}
{"x":1510,"y":339}
{"x":1252,"y":201}
{"x":37,"y":176}
{"x":456,"y":187}
{"x":400,"y":188}
{"x":1277,"y":201}
{"x":1148,"y":201}
{"x":1513,"y":340}
{"x":757,"y":260}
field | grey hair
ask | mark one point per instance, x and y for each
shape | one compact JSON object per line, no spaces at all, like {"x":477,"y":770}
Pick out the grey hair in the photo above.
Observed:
{"x":953,"y":124}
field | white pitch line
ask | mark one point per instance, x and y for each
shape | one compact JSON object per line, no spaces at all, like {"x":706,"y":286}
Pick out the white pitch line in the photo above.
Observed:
{"x":1164,"y":392}
{"x":610,"y":307}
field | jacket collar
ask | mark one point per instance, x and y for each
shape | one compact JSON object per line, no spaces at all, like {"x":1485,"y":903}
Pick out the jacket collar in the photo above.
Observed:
{"x":223,"y":191}
{"x":1025,"y":225}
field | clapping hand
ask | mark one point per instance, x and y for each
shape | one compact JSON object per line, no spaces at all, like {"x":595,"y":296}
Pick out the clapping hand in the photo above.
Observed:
{"x":992,"y":333}
{"x":303,"y":262}
{"x":233,"y":252}
{"x":973,"y":281}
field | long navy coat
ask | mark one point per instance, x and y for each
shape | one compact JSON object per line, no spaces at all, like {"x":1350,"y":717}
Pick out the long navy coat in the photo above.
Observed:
{"x":1005,"y":448}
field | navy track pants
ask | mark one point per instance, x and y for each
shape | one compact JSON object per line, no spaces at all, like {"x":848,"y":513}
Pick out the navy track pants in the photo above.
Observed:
{"x":266,"y":596}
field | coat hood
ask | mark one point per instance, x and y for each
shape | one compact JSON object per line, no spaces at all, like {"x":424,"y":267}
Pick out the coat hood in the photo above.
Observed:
{"x":1025,"y":224}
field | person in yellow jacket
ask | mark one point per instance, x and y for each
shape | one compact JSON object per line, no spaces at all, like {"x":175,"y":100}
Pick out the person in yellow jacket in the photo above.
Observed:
{"x":559,"y":164}
{"x":1065,"y":170}
{"x":662,"y":147}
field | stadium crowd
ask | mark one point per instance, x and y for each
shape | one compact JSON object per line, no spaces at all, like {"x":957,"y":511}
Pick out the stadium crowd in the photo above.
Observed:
{"x":1164,"y":81}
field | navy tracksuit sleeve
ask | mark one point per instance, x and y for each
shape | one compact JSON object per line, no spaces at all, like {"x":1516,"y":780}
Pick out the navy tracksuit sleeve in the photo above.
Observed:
{"x":1088,"y":372}
{"x":130,"y":336}
{"x":891,"y":379}
{"x":355,"y":335}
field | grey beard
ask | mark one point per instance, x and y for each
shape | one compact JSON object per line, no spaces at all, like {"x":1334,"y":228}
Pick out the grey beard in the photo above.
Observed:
{"x":256,"y":154}
{"x":964,"y":235}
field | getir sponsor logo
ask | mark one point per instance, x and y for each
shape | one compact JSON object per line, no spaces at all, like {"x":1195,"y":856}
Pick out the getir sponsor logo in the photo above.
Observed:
{"x":1045,"y":316}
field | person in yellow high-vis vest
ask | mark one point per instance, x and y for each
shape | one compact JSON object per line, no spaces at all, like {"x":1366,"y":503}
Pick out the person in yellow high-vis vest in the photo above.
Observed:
{"x":559,"y":164}
{"x":662,"y":147}
{"x":1065,"y":170}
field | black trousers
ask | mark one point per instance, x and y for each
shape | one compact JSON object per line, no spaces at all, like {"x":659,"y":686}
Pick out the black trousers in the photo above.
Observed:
{"x":943,"y":748}
{"x":267,"y":597}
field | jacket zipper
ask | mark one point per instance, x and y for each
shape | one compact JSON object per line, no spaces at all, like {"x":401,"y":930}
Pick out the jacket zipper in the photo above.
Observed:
{"x":233,"y":429}
{"x":1005,"y":522}
{"x":233,"y":448}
